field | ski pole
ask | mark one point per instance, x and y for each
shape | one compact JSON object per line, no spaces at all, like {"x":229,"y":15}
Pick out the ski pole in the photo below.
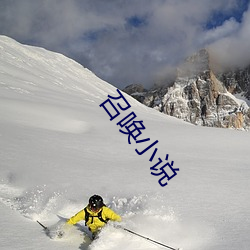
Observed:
{"x":45,"y":228}
{"x":149,"y":239}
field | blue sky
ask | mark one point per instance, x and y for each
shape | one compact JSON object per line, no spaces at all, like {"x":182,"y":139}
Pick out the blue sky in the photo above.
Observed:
{"x":131,"y":41}
{"x":218,"y":17}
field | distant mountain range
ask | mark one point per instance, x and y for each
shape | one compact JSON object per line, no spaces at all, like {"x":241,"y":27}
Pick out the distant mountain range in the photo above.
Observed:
{"x":202,"y":94}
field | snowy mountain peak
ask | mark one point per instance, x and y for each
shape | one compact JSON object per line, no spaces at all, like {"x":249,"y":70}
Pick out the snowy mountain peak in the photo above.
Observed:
{"x":200,"y":96}
{"x":197,"y":64}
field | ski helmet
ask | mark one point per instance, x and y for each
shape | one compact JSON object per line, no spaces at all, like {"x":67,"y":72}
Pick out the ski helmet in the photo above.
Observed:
{"x":95,"y":202}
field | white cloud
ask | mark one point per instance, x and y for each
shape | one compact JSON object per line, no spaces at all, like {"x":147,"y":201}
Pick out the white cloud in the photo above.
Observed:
{"x":97,"y":32}
{"x":233,"y":50}
{"x":228,"y":28}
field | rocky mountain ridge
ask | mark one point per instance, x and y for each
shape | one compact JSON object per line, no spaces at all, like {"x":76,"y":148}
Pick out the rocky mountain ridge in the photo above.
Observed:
{"x":200,"y":95}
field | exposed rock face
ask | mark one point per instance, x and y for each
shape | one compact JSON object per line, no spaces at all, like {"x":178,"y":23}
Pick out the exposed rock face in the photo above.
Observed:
{"x":199,"y":97}
{"x":237,"y":81}
{"x":137,"y":91}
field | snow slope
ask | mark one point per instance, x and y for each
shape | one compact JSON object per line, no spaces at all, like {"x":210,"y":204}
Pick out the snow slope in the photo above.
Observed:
{"x":58,"y":147}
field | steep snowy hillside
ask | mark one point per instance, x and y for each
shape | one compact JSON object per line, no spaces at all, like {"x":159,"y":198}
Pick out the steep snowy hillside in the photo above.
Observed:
{"x":58,"y":147}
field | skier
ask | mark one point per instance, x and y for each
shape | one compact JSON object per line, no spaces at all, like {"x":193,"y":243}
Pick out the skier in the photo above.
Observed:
{"x":95,"y":214}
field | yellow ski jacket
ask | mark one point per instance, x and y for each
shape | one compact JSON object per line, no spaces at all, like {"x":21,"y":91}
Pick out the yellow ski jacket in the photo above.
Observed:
{"x":94,"y":223}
